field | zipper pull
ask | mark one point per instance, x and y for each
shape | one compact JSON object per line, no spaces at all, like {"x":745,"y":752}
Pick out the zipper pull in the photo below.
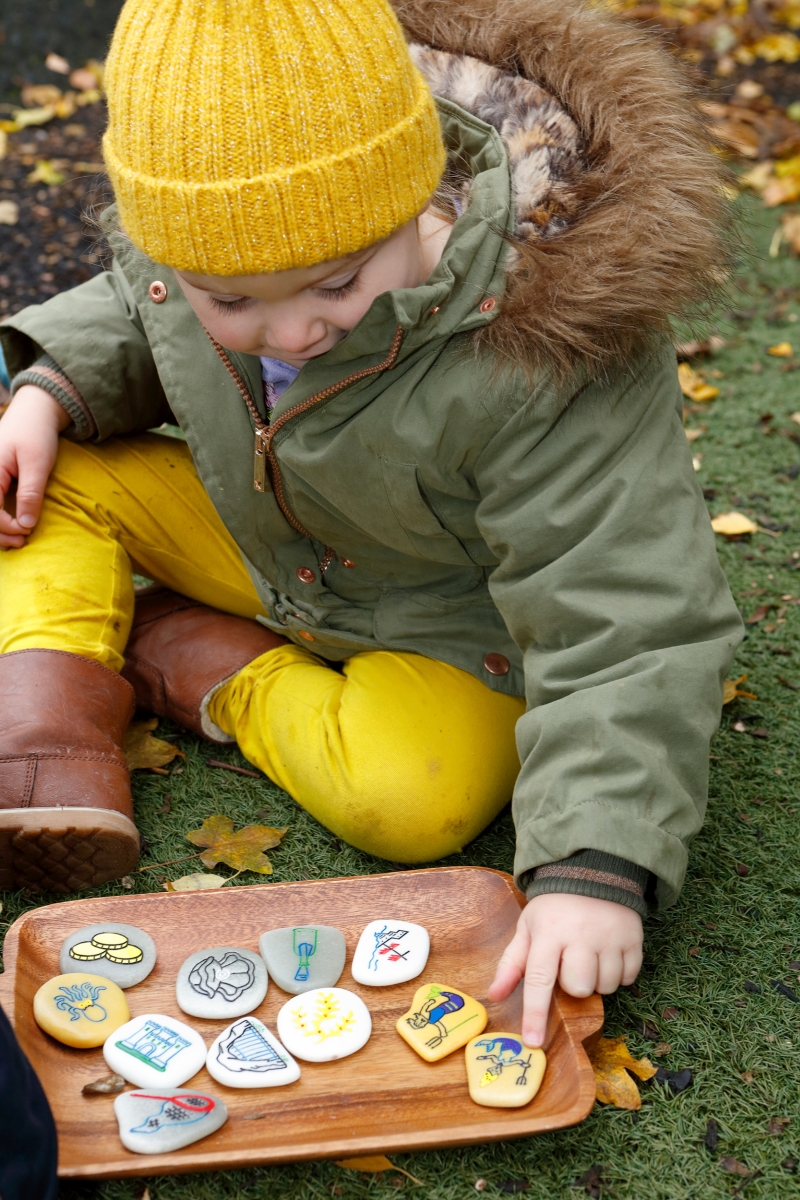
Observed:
{"x":260,"y":462}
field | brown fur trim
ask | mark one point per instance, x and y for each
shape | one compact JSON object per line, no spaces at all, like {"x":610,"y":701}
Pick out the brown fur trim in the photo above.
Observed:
{"x":637,"y":232}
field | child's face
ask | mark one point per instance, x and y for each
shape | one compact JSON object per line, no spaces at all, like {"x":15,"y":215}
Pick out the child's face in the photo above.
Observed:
{"x":299,"y":314}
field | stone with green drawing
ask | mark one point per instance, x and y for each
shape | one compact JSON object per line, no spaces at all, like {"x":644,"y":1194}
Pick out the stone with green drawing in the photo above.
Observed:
{"x":301,"y":958}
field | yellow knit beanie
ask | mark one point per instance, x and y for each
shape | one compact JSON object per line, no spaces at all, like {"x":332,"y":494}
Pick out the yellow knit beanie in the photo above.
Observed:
{"x":250,"y":136}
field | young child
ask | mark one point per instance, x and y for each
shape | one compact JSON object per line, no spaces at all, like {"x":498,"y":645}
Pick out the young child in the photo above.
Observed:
{"x":435,"y":493}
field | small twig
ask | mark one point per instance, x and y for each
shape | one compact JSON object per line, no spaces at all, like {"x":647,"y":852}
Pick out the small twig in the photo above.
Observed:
{"x":171,"y":863}
{"x":214,"y":762}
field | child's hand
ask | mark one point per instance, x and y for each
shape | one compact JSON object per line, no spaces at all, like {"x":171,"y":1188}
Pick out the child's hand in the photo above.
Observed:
{"x":587,"y":945}
{"x":29,"y":433}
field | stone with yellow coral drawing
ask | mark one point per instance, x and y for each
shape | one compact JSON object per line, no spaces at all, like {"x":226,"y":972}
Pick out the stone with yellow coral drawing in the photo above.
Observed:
{"x":502,"y":1071}
{"x":441,"y":1019}
{"x":80,"y":1009}
{"x":324,"y":1024}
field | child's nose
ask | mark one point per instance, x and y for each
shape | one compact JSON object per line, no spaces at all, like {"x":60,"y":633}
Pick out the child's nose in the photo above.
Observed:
{"x":297,"y":335}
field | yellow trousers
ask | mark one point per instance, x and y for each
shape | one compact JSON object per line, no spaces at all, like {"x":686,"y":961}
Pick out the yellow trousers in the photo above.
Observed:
{"x":400,"y":755}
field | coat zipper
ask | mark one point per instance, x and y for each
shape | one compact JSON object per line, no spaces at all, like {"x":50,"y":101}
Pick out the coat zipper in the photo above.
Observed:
{"x":264,"y":434}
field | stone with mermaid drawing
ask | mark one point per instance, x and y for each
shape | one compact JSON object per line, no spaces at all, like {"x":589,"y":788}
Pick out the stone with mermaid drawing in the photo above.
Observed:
{"x":222,"y":982}
{"x":441,"y":1019}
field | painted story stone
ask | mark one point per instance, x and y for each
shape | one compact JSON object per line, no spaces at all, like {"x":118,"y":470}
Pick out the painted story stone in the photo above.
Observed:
{"x":389,"y":952}
{"x":155,"y":1051}
{"x":80,"y":1009}
{"x":502,"y":1071}
{"x":122,"y":953}
{"x":441,"y":1019}
{"x":301,"y":958}
{"x":324,"y":1025}
{"x":247,"y":1055}
{"x":221,"y":983}
{"x":159,"y":1120}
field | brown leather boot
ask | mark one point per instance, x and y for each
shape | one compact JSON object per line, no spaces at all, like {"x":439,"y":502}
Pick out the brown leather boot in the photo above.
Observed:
{"x":180,"y":652}
{"x":66,"y":818}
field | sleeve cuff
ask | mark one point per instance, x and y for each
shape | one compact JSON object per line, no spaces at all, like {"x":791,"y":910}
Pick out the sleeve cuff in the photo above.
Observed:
{"x":46,"y":373}
{"x":594,"y":873}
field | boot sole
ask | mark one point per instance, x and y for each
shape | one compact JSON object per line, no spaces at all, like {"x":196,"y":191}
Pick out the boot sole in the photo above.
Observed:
{"x":64,"y":849}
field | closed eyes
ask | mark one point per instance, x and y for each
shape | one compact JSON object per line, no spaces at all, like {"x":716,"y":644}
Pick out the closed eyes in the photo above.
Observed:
{"x":230,"y":306}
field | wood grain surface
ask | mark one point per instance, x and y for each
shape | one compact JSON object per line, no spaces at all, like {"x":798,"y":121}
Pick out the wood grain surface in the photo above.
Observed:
{"x":382,"y":1099}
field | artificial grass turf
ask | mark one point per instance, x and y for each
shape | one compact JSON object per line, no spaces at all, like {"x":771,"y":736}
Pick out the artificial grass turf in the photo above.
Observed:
{"x":726,"y":929}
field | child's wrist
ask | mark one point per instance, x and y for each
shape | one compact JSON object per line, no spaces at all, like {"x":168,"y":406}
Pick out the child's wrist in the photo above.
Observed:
{"x":597,"y":875}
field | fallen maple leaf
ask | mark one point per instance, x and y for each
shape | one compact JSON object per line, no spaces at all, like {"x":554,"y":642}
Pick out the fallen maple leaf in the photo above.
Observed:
{"x":241,"y":850}
{"x":781,"y":350}
{"x":611,"y":1060}
{"x":198,"y":882}
{"x":733,"y":524}
{"x":732,"y":690}
{"x":143,"y":751}
{"x":694,"y":386}
{"x":373,"y":1164}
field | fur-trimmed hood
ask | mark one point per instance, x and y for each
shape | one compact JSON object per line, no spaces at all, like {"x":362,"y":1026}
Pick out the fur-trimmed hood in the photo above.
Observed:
{"x":619,"y":197}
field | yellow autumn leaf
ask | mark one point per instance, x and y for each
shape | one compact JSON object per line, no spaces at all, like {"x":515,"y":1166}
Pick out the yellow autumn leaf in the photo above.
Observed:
{"x":731,"y":690}
{"x":23,"y":117}
{"x":611,"y":1061}
{"x":777,"y":47}
{"x":242,"y":850}
{"x":733,"y":524}
{"x":45,"y":172}
{"x":372,"y":1164}
{"x":781,"y":350}
{"x":694,"y":386}
{"x":143,"y":751}
{"x":198,"y":882}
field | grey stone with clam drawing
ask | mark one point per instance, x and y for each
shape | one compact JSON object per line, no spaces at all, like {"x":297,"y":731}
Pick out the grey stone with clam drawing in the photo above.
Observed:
{"x":221,"y":982}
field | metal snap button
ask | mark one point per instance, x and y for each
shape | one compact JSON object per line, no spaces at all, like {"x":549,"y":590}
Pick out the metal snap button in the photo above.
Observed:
{"x":434,"y":310}
{"x":488,"y":304}
{"x":305,"y":575}
{"x":157,"y":291}
{"x":348,"y":562}
{"x":497,"y":664}
{"x":303,"y":633}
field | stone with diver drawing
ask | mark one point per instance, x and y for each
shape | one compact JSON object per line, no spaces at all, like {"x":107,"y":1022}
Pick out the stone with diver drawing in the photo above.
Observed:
{"x":502,"y":1072}
{"x":155,"y":1051}
{"x":300,"y":958}
{"x":441,"y":1019}
{"x":80,"y":1009}
{"x":247,"y":1055}
{"x":325,"y":1024}
{"x":221,"y":983}
{"x":391,"y":951}
{"x":122,"y":953}
{"x":158,"y":1120}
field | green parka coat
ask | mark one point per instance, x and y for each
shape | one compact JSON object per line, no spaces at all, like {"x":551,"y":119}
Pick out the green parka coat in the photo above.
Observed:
{"x":536,"y":524}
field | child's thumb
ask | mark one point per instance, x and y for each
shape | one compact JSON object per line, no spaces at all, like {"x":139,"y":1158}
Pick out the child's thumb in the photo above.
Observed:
{"x":33,"y":475}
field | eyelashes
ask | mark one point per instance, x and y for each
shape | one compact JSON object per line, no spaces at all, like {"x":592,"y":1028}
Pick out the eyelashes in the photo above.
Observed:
{"x":230,"y":306}
{"x":339,"y":293}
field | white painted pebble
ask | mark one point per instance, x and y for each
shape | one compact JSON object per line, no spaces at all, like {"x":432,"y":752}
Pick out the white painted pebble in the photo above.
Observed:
{"x":390,"y":951}
{"x":155,"y":1051}
{"x":247,"y":1055}
{"x":221,"y":983}
{"x":325,"y":1024}
{"x":159,"y":1120}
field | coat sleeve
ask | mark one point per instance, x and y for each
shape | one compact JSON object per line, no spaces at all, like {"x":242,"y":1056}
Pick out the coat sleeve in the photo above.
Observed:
{"x":609,"y":582}
{"x":88,"y":345}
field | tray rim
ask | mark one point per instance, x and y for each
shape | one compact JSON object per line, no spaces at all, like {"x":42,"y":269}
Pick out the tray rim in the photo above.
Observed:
{"x":582,"y":1020}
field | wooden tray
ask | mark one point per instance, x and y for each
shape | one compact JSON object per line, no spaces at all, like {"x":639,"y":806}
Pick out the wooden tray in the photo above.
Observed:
{"x":382,"y":1099}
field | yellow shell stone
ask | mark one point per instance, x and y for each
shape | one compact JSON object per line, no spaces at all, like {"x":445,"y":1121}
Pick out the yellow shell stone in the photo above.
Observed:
{"x":109,"y":941}
{"x":502,"y":1071}
{"x":126,"y":954}
{"x":86,"y":952}
{"x":441,"y":1019}
{"x":79,"y":1009}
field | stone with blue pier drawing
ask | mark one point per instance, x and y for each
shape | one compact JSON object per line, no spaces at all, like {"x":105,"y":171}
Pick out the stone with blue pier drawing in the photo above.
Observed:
{"x":324,"y":1025}
{"x":390,"y":951}
{"x":247,"y":1055}
{"x":159,"y":1120}
{"x":155,"y":1051}
{"x":502,"y":1072}
{"x":221,"y":983}
{"x":301,"y":958}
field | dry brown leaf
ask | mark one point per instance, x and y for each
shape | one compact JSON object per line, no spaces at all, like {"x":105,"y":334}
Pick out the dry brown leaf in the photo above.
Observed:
{"x":242,"y":850}
{"x":9,"y":212}
{"x":694,"y":385}
{"x":731,"y":690}
{"x":372,"y":1164}
{"x":54,"y":62}
{"x":36,"y":95}
{"x":734,"y":1167}
{"x":693,"y":434}
{"x":198,"y":882}
{"x":733,"y":524}
{"x":611,"y":1061}
{"x":143,"y":751}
